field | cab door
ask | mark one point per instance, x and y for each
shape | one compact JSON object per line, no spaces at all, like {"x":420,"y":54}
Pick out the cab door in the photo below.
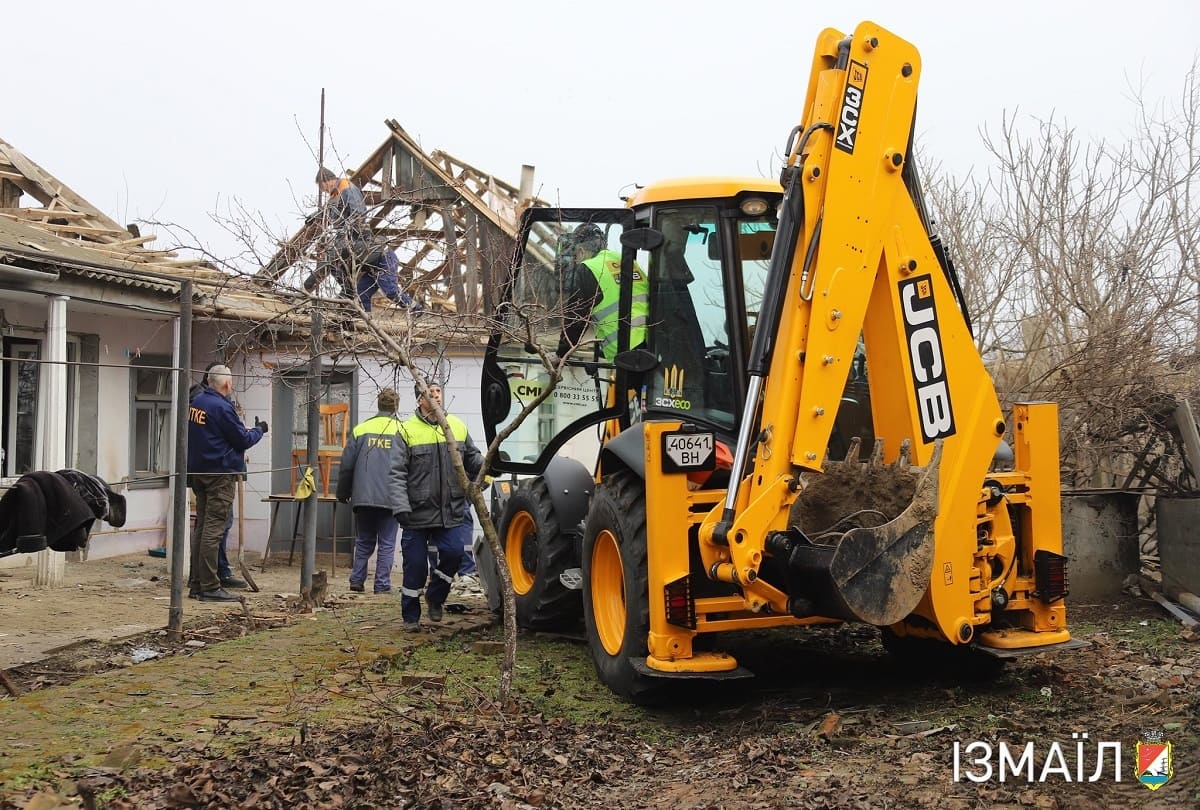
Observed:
{"x":531,"y":316}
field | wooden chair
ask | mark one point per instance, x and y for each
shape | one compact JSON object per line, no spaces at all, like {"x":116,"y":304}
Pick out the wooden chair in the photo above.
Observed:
{"x":335,"y":422}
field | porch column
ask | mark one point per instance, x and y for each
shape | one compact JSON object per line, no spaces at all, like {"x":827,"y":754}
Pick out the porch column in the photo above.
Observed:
{"x":51,"y":565}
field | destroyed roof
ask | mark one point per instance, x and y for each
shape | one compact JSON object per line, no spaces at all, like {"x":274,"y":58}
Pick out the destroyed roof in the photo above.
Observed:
{"x":66,"y":229}
{"x":419,"y":204}
{"x":69,"y":234}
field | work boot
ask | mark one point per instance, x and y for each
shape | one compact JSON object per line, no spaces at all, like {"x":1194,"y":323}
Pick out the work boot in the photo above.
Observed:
{"x":382,"y":590}
{"x":412,"y":627}
{"x":435,"y":613}
{"x":219,"y":595}
{"x":233,"y":582}
{"x":357,"y":587}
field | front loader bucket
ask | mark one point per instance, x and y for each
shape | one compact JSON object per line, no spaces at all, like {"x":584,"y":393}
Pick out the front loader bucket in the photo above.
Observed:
{"x":874,"y":574}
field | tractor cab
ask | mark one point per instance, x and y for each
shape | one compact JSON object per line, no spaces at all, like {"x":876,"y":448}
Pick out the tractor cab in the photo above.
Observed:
{"x":690,"y":259}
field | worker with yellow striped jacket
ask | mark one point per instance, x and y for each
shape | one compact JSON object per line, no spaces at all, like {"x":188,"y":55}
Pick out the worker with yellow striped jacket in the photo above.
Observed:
{"x":363,"y":482}
{"x":430,"y":504}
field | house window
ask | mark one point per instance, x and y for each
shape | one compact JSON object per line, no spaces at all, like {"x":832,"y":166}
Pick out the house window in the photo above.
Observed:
{"x":21,"y":384}
{"x":21,"y":378}
{"x":150,"y":378}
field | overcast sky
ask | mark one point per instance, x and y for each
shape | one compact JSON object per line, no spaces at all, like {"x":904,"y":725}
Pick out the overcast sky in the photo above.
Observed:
{"x":168,"y":111}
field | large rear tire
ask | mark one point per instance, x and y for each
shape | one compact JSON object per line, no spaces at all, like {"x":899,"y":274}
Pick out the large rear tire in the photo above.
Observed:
{"x":538,"y":552}
{"x":616,"y":609}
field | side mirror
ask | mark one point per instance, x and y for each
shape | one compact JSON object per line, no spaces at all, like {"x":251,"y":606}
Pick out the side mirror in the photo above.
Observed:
{"x":497,"y":401}
{"x":641,"y":238}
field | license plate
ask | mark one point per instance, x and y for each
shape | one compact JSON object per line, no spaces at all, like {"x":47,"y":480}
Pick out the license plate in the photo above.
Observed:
{"x":688,"y":451}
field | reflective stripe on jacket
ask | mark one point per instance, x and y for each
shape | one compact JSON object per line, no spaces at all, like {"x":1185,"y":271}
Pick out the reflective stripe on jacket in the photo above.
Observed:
{"x":606,"y":268}
{"x":367,"y":462}
{"x":423,"y":482}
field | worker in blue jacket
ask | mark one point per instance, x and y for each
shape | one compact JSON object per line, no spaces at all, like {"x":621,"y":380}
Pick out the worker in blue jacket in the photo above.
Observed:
{"x":224,"y":569}
{"x":363,"y":483}
{"x":217,"y":442}
{"x":349,"y":239}
{"x":430,"y":504}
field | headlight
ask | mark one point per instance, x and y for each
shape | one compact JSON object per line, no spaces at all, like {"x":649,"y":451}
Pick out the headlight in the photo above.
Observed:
{"x":754,"y":206}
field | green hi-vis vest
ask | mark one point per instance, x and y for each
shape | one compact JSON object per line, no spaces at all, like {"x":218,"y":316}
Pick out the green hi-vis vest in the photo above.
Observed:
{"x":379,"y":425}
{"x":606,"y":267}
{"x":417,"y":431}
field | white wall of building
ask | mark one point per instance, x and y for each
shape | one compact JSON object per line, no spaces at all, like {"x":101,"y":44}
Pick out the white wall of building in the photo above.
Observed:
{"x":123,"y":334}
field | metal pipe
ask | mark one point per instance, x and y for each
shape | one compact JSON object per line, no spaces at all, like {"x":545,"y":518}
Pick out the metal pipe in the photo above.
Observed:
{"x":526,"y":192}
{"x":179,"y":491}
{"x":741,"y":452}
{"x":129,"y":531}
{"x":311,"y":504}
{"x":10,"y":272}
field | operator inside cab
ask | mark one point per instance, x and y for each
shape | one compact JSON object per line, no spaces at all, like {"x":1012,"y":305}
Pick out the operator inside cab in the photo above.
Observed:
{"x":594,"y":284}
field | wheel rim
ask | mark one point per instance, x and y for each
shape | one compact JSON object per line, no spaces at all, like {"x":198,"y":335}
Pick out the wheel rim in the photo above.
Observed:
{"x":608,"y":592}
{"x":520,"y":547}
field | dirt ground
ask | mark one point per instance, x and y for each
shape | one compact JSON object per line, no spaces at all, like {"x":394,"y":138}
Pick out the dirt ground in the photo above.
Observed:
{"x":122,"y":596}
{"x":341,"y":708}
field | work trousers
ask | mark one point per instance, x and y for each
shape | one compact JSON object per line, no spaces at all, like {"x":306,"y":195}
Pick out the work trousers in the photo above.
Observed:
{"x":414,"y":546}
{"x":376,"y":528}
{"x":224,"y":571}
{"x":372,"y":279}
{"x":466,"y":535}
{"x":214,"y":503}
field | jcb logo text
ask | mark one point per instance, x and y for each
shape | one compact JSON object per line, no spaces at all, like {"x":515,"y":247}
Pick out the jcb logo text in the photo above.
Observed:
{"x":927,"y":363}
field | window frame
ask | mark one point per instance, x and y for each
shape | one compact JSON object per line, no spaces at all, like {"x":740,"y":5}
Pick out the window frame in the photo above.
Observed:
{"x":154,"y":404}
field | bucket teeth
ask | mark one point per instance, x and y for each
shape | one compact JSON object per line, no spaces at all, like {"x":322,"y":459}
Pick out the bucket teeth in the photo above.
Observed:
{"x":877,"y":453}
{"x":852,"y":452}
{"x":905,"y":457}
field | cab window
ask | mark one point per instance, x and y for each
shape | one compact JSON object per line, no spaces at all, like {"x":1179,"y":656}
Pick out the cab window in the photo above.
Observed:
{"x":688,"y":318}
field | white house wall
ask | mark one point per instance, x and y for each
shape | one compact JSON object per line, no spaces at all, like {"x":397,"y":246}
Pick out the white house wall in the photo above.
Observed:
{"x":122,"y":334}
{"x":121,"y":338}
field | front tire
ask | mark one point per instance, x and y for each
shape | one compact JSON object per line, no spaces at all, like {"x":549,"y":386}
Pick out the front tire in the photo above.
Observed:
{"x":616,"y":609}
{"x":538,"y":552}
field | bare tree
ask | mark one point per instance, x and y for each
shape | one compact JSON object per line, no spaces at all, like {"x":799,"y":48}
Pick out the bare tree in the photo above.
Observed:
{"x":1080,"y":264}
{"x":272,"y":312}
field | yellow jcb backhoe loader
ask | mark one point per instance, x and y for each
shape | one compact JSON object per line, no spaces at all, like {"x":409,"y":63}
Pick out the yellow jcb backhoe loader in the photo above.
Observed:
{"x":793,"y":426}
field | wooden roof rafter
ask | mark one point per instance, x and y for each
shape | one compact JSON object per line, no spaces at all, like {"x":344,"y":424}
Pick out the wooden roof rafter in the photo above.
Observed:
{"x":65,"y":214}
{"x":410,"y":194}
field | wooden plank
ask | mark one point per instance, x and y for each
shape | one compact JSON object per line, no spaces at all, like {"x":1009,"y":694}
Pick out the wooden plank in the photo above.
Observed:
{"x":453,"y":276}
{"x":409,"y":233}
{"x":135,"y":241}
{"x":82,"y":230}
{"x":52,"y":185}
{"x":450,"y":159}
{"x":470,"y":240}
{"x":31,"y":188}
{"x":132,"y":254}
{"x":35,"y":213}
{"x":385,"y":170}
{"x":10,"y":194}
{"x":1185,"y":420}
{"x":1175,"y":610}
